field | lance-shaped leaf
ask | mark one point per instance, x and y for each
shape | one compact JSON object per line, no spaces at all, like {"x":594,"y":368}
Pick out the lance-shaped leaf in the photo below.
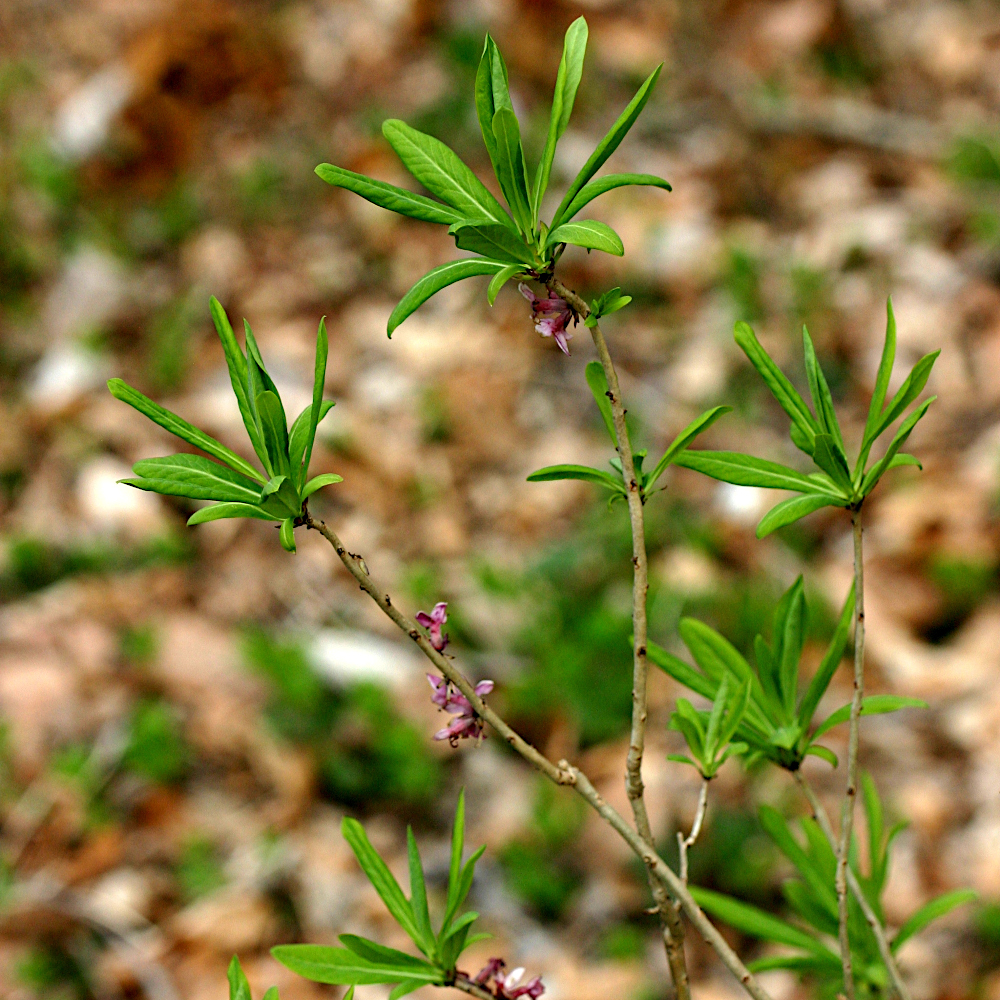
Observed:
{"x":876,"y":704}
{"x":222,"y":511}
{"x":491,"y":93}
{"x":782,"y":390}
{"x":318,"y":482}
{"x":298,"y":435}
{"x":587,"y":233}
{"x":609,"y":182}
{"x":686,"y":436}
{"x":388,"y":196}
{"x":563,"y":97}
{"x":791,"y":510}
{"x":381,"y":878}
{"x":597,"y":380}
{"x":595,"y":476}
{"x":239,"y":988}
{"x":908,"y":392}
{"x":418,"y":896}
{"x":443,"y":173}
{"x":500,"y":279}
{"x":299,"y":462}
{"x":881,"y":388}
{"x":608,"y":144}
{"x":274,"y":430}
{"x":341,"y":966}
{"x":440,"y":277}
{"x":814,"y":877}
{"x":279,"y":497}
{"x":746,"y":470}
{"x":828,"y":666}
{"x":681,"y":672}
{"x":876,"y":472}
{"x":181,"y":428}
{"x":236,"y":362}
{"x":287,"y":534}
{"x":929,"y":912}
{"x":789,"y":637}
{"x":193,"y":476}
{"x":820,"y":392}
{"x":511,"y":171}
{"x":492,"y":240}
{"x":828,"y":456}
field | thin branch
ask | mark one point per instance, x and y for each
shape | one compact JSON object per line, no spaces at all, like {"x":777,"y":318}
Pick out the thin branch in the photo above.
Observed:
{"x":673,"y":928}
{"x":851,"y":792}
{"x":466,"y":985}
{"x":819,"y":814}
{"x":562,"y":773}
{"x":683,"y":842}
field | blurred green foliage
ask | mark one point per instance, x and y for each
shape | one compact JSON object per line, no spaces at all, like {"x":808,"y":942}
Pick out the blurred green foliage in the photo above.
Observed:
{"x":156,"y":747}
{"x":77,"y":766}
{"x":963,"y":584}
{"x":364,"y":751}
{"x":199,"y":870}
{"x":32,"y":564}
{"x":623,"y":942}
{"x":52,"y":972}
{"x":169,"y":333}
{"x":742,"y":279}
{"x":540,"y":867}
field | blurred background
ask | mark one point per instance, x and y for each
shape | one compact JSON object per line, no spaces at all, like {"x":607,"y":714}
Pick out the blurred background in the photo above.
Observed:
{"x":187,"y":714}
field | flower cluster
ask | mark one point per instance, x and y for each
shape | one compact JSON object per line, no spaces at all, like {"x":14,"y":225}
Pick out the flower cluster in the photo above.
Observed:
{"x":507,"y":986}
{"x":551,"y":316}
{"x":466,"y":723}
{"x":433,"y":622}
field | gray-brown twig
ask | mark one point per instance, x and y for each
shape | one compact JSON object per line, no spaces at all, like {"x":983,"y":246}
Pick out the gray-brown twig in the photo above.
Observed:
{"x":683,"y":843}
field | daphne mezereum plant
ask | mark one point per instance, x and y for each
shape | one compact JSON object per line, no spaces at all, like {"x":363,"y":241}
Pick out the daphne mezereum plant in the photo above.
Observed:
{"x":765,"y":713}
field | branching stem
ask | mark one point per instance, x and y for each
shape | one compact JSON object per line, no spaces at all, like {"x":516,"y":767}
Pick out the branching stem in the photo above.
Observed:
{"x":673,"y":928}
{"x":851,"y":792}
{"x":819,"y":814}
{"x":562,"y":773}
{"x":683,"y":842}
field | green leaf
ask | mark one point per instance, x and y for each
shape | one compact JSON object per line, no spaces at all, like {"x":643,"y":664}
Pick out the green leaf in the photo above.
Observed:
{"x":442,"y":172}
{"x":455,"y":867}
{"x":510,"y":169}
{"x":418,"y":895}
{"x":876,"y":472}
{"x":239,"y":988}
{"x":434,"y":280}
{"x":681,"y":671}
{"x":300,"y":467}
{"x":318,"y":482}
{"x":901,"y":459}
{"x":274,"y":431}
{"x":196,"y":477}
{"x":280,"y":498}
{"x":272,"y":994}
{"x":931,"y":911}
{"x":597,"y":380}
{"x":395,"y":199}
{"x":181,"y":428}
{"x":300,"y":431}
{"x":874,"y":821}
{"x":470,"y":917}
{"x":491,"y":93}
{"x":746,"y":470}
{"x":492,"y":240}
{"x":456,"y":900}
{"x":341,"y":966}
{"x":500,"y":279}
{"x":750,"y":920}
{"x":791,"y":510}
{"x":828,"y":666}
{"x":683,"y":439}
{"x":881,"y":387}
{"x":563,"y":98}
{"x":814,"y":750}
{"x":908,"y":392}
{"x":715,"y":718}
{"x":372,"y":951}
{"x":287,"y":534}
{"x":608,"y":144}
{"x":608,"y":183}
{"x":803,"y":964}
{"x":406,"y":986}
{"x":828,"y":456}
{"x":820,"y":392}
{"x":876,"y":704}
{"x":782,"y":390}
{"x":588,"y":233}
{"x":380,"y":877}
{"x":789,"y":646}
{"x":595,"y":476}
{"x":221,"y":511}
{"x":813,"y":875}
{"x":236,"y":362}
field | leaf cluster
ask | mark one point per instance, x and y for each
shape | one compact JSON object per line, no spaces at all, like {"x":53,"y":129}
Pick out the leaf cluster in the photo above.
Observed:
{"x":239,"y":987}
{"x":777,"y":723}
{"x":812,"y":898}
{"x":237,"y":487}
{"x":615,"y":481}
{"x":709,"y":734}
{"x":508,"y":239}
{"x":363,"y":962}
{"x":836,"y":483}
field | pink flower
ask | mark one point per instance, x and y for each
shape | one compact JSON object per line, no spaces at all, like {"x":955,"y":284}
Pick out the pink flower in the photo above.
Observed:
{"x":433,"y":622}
{"x":467,"y":723}
{"x":490,"y":970}
{"x":551,"y":316}
{"x":506,"y":987}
